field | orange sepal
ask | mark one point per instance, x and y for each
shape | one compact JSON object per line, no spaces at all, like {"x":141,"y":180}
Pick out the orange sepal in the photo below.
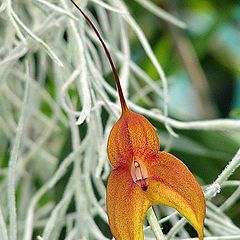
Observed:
{"x":172,"y":184}
{"x":132,"y":134}
{"x":126,"y":206}
{"x":169,"y":183}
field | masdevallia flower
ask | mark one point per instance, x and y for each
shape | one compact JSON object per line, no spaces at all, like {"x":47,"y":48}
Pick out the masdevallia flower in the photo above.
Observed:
{"x":142,"y":175}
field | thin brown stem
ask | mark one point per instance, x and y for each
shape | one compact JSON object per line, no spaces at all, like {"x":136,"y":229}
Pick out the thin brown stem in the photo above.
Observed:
{"x":120,"y":92}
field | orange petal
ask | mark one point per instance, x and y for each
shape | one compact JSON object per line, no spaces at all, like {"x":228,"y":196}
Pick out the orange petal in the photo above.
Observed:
{"x":126,"y":206}
{"x":131,"y":133}
{"x":172,"y":184}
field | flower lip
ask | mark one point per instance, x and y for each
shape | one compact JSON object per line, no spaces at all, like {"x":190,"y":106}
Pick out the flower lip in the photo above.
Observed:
{"x":139,"y":174}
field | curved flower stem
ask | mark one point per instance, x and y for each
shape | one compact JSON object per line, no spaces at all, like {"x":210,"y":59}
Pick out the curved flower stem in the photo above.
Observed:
{"x":153,"y":222}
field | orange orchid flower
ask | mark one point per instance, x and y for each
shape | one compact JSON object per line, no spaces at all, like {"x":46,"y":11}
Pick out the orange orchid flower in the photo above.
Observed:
{"x":142,"y":175}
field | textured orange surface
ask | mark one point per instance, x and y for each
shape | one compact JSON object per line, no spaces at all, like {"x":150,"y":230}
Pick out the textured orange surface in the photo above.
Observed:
{"x":131,"y":135}
{"x":126,"y":206}
{"x":172,"y":184}
{"x":169,"y":181}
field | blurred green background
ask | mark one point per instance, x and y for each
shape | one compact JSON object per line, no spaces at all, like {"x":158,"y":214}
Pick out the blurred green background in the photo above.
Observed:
{"x":212,"y":43}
